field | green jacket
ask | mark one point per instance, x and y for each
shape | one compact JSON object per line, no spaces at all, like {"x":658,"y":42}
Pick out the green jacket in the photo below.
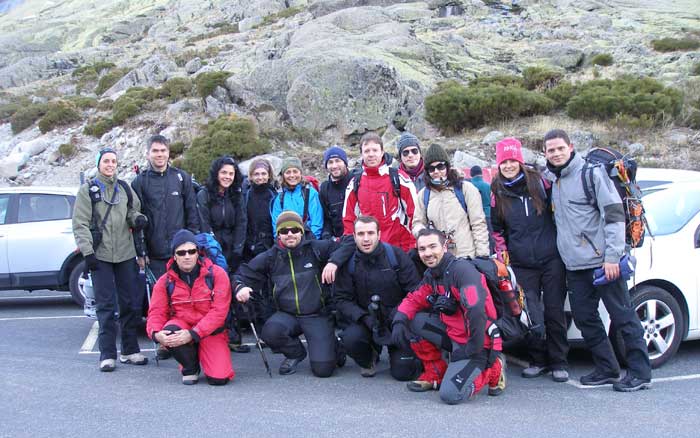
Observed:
{"x":117,"y":241}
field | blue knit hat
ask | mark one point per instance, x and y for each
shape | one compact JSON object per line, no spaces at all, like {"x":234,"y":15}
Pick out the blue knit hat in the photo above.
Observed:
{"x":181,"y":237}
{"x":407,"y":139}
{"x":335,"y":151}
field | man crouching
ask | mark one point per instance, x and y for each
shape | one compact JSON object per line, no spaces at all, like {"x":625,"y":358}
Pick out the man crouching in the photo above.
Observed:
{"x":451,"y":310}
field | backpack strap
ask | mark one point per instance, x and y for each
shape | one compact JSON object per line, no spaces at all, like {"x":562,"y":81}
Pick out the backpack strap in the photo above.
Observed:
{"x":588,"y":183}
{"x":127,"y":190}
{"x":460,"y":197}
{"x":282,"y":200}
{"x":391,"y":255}
{"x":426,"y":200}
{"x":305,"y":193}
{"x":356,"y":182}
{"x":395,"y":181}
{"x":208,"y":280}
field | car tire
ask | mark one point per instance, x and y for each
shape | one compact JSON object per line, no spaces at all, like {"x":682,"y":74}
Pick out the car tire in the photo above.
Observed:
{"x":663,"y":323}
{"x":73,"y":284}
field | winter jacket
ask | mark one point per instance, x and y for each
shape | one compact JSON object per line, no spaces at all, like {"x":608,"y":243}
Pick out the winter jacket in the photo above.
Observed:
{"x":295,"y":275}
{"x":476,"y":311}
{"x":375,"y":197}
{"x":225,"y":216}
{"x":587,"y":235}
{"x":529,"y":238}
{"x":374,"y":274}
{"x":169,"y":202}
{"x":467,"y":229}
{"x":294,"y":201}
{"x":332,"y":196}
{"x":485,"y":191}
{"x":259,"y":230}
{"x":204,"y":309}
{"x":117,"y":240}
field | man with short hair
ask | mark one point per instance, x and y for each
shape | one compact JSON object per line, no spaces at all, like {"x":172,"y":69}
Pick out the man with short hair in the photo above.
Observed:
{"x":332,"y":191}
{"x":477,"y":178}
{"x":451,"y":310}
{"x":411,"y":160}
{"x":383,"y":192}
{"x":591,"y":235}
{"x":367,"y":291}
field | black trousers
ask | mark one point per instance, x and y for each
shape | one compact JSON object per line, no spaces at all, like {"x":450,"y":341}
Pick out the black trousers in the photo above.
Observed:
{"x":357,"y":340}
{"x":545,"y":291}
{"x":584,"y":298}
{"x":187,"y":356}
{"x":116,"y":284}
{"x":282,"y":330}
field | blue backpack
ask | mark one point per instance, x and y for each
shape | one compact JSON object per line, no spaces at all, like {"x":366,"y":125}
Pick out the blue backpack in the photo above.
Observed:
{"x":458,"y":193}
{"x":212,"y":249}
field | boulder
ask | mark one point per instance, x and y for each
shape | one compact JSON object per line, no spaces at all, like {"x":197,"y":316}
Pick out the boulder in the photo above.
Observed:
{"x":31,"y":147}
{"x":462,"y":160}
{"x":560,"y":54}
{"x":34,"y":68}
{"x":273,"y":159}
{"x":10,"y":165}
{"x":492,"y":138}
{"x":151,"y":73}
{"x":583,"y":140}
{"x":193,"y":65}
{"x":320,"y":8}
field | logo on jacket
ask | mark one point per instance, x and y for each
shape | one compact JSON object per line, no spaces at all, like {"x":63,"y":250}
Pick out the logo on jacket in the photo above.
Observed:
{"x":308,"y":265}
{"x":175,"y":193}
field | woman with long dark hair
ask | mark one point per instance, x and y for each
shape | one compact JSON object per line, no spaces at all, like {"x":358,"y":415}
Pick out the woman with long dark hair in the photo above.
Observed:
{"x":525,"y":235}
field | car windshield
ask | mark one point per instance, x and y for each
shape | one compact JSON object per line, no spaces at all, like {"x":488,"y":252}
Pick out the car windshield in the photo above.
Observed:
{"x":667,"y":211}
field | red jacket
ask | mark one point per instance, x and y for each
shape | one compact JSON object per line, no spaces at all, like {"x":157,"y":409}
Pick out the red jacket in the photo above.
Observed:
{"x":375,"y":197}
{"x":203,"y":309}
{"x":476,"y":311}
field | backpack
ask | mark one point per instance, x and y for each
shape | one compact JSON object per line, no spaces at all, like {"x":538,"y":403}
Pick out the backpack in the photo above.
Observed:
{"x":622,"y":171}
{"x":390,"y":254}
{"x":96,"y":224}
{"x":313,"y":181}
{"x":208,"y":280}
{"x":305,"y":193}
{"x":211,"y":248}
{"x":395,"y":184}
{"x":458,"y":193}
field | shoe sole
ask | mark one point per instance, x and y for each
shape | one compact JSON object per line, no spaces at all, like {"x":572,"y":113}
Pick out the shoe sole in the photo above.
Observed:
{"x":607,"y":381}
{"x":560,"y":379}
{"x":495,"y":392}
{"x":130,"y":362}
{"x":646,"y":385}
{"x":107,"y":369}
{"x":421,"y":388}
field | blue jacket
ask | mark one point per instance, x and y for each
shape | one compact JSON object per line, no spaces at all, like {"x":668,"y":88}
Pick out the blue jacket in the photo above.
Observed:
{"x":485,"y":191}
{"x":294,"y":201}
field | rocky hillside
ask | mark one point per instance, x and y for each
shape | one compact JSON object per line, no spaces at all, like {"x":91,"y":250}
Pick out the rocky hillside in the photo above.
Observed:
{"x":314,"y":72}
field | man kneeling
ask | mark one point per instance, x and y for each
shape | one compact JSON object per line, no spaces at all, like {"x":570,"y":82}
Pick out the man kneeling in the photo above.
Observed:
{"x":188,"y":311}
{"x":460,"y":322}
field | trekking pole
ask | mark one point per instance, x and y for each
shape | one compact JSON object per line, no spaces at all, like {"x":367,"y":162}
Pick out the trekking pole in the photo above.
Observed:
{"x":257,"y":339}
{"x":150,"y":279}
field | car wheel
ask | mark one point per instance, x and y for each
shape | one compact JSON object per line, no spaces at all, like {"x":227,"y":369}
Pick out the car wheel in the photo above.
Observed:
{"x":75,"y":285}
{"x":662,"y":322}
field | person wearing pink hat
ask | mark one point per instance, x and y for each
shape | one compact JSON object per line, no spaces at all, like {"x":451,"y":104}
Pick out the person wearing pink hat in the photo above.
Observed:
{"x":525,"y":235}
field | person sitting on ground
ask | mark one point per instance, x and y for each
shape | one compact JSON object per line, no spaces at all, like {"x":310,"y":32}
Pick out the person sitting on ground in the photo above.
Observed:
{"x":410,"y":157}
{"x":188,"y":312}
{"x":298,"y":195}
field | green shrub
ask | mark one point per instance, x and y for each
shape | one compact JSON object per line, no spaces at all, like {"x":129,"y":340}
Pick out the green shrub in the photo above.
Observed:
{"x":177,"y":148}
{"x":178,"y":162}
{"x":624,"y":122}
{"x":604,"y":59}
{"x":58,"y":114}
{"x":109,"y":79}
{"x":8,"y":109}
{"x":105,"y":105}
{"x":206,"y":83}
{"x":502,"y":80}
{"x":695,"y":69}
{"x":25,"y":117}
{"x":130,"y":103}
{"x":284,"y":13}
{"x":99,"y":128}
{"x":83,"y":103}
{"x":692,"y":120}
{"x":176,"y":88}
{"x":223,"y":136}
{"x":635,"y":97}
{"x":220,"y":29}
{"x":91,"y":69}
{"x":561,"y":94}
{"x":674,"y":44}
{"x":540,"y":78}
{"x":67,"y":150}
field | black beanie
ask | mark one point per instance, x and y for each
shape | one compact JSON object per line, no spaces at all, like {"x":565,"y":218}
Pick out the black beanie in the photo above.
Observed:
{"x":182,"y":236}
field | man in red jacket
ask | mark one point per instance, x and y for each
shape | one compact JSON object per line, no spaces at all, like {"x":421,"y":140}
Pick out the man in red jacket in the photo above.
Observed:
{"x":460,"y":322}
{"x":188,"y":311}
{"x":382,"y":192}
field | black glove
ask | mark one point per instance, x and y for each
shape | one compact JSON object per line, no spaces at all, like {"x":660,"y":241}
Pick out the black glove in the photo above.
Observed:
{"x":400,"y":334}
{"x":91,"y":262}
{"x":477,"y":360}
{"x":369,"y":321}
{"x":140,"y":222}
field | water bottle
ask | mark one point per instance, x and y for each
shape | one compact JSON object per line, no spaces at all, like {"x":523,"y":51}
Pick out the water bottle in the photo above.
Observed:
{"x":85,"y":284}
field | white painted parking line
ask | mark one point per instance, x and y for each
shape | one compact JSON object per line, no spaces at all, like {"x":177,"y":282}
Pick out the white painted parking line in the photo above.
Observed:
{"x":36,"y":296}
{"x":34,"y":318}
{"x":89,"y":342}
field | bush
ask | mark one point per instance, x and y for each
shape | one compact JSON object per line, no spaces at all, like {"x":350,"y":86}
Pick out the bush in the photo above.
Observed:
{"x":130,"y":103}
{"x":540,"y":78}
{"x":25,"y":117}
{"x":604,"y":59}
{"x":109,"y":79}
{"x":692,"y":120}
{"x":635,"y":97}
{"x":92,"y":69}
{"x":67,"y":150}
{"x":502,"y":80}
{"x":176,"y":88}
{"x":674,"y":44}
{"x":223,"y":136}
{"x":207,"y":82}
{"x":177,"y":148}
{"x":221,"y":28}
{"x":58,"y":114}
{"x":83,"y":102}
{"x":561,"y":94}
{"x":695,"y":69}
{"x":105,"y":105}
{"x":99,"y":128}
{"x":284,"y":13}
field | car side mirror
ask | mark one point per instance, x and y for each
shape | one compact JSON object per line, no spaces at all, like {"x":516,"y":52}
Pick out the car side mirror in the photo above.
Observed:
{"x":697,"y":237}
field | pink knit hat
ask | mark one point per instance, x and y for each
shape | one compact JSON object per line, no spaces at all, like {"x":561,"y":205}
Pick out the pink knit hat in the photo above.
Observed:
{"x":509,"y":149}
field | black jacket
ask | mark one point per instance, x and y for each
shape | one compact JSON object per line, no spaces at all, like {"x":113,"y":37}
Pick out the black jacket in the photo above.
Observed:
{"x":373,"y":274}
{"x":225,"y":216}
{"x":259,"y":231}
{"x":295,"y":275}
{"x":332,"y":196}
{"x":169,"y":202}
{"x":531,"y":239}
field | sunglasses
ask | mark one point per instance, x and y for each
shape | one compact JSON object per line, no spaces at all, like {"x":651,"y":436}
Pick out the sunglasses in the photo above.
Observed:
{"x":285,"y":231}
{"x":413,"y":151}
{"x":439,"y":166}
{"x":183,"y":252}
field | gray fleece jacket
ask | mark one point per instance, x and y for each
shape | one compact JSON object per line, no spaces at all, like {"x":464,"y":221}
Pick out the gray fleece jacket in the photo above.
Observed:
{"x":588,"y":234}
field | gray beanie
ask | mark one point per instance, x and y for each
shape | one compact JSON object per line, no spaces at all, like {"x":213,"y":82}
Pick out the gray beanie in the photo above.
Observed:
{"x":407,"y":139}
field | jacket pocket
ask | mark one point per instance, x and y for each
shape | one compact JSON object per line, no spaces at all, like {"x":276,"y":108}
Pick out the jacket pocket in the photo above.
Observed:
{"x":587,"y":239}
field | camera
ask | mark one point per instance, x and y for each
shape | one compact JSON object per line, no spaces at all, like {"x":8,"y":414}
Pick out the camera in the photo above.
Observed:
{"x":443,"y":303}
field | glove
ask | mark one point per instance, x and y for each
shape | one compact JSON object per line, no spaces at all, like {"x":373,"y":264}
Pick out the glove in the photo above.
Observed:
{"x":140,"y":222}
{"x":477,"y":360}
{"x":91,"y":262}
{"x":369,"y":321}
{"x":400,"y":334}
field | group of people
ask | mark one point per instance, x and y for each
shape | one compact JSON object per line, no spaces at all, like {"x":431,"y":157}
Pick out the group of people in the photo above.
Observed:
{"x":380,"y":256}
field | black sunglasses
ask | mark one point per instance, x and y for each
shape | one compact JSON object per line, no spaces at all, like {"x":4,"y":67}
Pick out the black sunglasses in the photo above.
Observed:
{"x":413,"y":151}
{"x":183,"y":252}
{"x":439,"y":166}
{"x":285,"y":231}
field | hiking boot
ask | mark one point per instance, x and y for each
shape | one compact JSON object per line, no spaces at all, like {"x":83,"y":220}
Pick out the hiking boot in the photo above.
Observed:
{"x":597,"y":378}
{"x":163,"y":353}
{"x":190,"y":380}
{"x":238,"y":348}
{"x":289,"y":366}
{"x":422,"y":385}
{"x":133,"y":359}
{"x":630,"y":383}
{"x":501,"y":385}
{"x":372,"y":370}
{"x":560,"y":376}
{"x":534,"y":371}
{"x":108,"y":365}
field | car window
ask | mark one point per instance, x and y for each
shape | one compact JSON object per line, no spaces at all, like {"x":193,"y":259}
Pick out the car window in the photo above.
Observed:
{"x":41,"y":207}
{"x":4,"y":204}
{"x":668,"y":211}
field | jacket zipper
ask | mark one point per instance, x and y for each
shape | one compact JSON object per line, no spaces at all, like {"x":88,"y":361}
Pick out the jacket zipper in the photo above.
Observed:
{"x":320,"y":290}
{"x":524,"y":199}
{"x":590,"y":242}
{"x":294,"y":282}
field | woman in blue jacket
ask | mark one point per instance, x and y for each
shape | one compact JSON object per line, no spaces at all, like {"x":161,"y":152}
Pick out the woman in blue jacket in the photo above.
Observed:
{"x":297,"y":195}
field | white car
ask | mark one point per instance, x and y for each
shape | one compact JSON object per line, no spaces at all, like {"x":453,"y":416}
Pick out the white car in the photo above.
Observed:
{"x":37,"y":248}
{"x":652,"y":179}
{"x":666,"y":288}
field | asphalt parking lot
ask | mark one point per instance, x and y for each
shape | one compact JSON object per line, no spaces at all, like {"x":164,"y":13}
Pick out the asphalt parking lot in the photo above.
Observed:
{"x":51,"y":386}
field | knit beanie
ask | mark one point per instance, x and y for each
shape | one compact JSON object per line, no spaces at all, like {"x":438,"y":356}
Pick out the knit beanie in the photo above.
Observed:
{"x":509,"y":149}
{"x":289,"y":219}
{"x":407,"y":139}
{"x":181,"y":237}
{"x":435,"y":153}
{"x":334,"y":152}
{"x":290,"y":162}
{"x":476,"y":171}
{"x":101,"y":152}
